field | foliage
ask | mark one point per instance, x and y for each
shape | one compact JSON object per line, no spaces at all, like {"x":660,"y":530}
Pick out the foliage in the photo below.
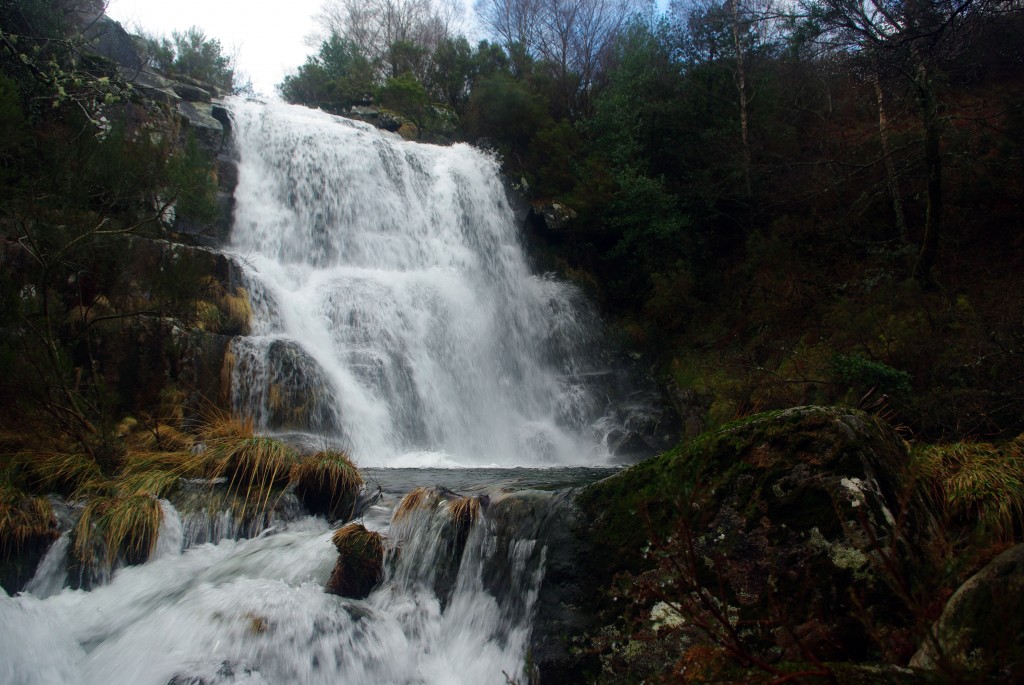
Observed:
{"x":255,"y":466}
{"x":338,"y":77}
{"x":977,"y":485}
{"x":192,"y":54}
{"x":23,"y":518}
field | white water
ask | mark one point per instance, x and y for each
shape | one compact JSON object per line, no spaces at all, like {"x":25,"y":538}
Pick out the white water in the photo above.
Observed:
{"x":394,"y":309}
{"x":394,"y":313}
{"x":254,"y":611}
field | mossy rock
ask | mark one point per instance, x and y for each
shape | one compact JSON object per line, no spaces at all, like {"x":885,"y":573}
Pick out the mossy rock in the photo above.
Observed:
{"x":799,"y":523}
{"x":981,"y":629}
{"x":360,"y":565}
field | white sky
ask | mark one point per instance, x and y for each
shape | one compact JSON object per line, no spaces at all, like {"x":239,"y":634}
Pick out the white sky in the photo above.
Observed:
{"x":267,"y":36}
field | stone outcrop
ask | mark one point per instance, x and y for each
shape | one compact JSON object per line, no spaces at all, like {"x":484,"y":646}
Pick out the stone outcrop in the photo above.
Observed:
{"x":981,"y":629}
{"x":782,"y":536}
{"x":360,"y":565}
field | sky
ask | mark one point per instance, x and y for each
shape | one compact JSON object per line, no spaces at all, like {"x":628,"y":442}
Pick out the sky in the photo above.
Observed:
{"x":268,"y":38}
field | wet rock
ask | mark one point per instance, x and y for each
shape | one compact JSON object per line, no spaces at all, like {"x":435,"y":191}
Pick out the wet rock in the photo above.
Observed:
{"x":794,"y":523}
{"x":981,"y":628}
{"x":360,"y":565}
{"x":191,"y":93}
{"x":198,"y":118}
{"x":555,"y":216}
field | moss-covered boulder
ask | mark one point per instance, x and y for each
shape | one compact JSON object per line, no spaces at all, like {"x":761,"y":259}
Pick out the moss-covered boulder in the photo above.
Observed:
{"x":360,"y":565}
{"x":781,"y":536}
{"x":981,"y":629}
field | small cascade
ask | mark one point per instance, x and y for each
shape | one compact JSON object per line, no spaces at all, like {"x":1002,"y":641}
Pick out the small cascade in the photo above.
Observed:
{"x":255,"y":611}
{"x":52,"y":573}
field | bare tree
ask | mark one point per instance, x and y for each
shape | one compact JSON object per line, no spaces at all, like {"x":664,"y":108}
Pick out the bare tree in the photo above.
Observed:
{"x":906,"y":41}
{"x":375,"y":27}
{"x":573,"y":37}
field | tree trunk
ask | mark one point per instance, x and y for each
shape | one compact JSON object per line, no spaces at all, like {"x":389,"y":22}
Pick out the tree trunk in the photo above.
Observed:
{"x":933,"y":166}
{"x":741,"y":86}
{"x":890,"y":164}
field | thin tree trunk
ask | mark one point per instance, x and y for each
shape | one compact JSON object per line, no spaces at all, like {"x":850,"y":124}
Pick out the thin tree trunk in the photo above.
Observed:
{"x":741,"y":86}
{"x":933,"y":164}
{"x":890,"y":164}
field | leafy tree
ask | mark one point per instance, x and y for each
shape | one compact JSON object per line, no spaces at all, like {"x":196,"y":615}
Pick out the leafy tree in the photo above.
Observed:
{"x":334,"y":79}
{"x":193,"y":54}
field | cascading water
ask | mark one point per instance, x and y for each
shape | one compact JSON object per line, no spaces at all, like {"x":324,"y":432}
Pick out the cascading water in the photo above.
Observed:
{"x":393,"y":307}
{"x":393,"y":313}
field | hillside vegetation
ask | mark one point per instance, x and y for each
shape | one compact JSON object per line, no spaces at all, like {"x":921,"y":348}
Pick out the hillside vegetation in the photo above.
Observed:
{"x":781,"y":203}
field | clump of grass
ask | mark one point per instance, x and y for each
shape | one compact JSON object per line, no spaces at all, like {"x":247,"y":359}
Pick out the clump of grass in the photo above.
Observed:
{"x":63,"y":472}
{"x":124,"y":525}
{"x":223,"y":311}
{"x":237,"y":312}
{"x":464,"y":512}
{"x":23,"y":518}
{"x":254,"y":464}
{"x":978,"y":482}
{"x":328,"y":483}
{"x":360,"y":564}
{"x":416,"y":500}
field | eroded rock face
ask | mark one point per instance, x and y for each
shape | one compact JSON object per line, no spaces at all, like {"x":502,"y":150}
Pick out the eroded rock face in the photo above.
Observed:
{"x":981,"y":628}
{"x":785,"y":533}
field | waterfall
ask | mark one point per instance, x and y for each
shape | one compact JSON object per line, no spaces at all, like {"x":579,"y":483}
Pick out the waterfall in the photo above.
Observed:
{"x":393,"y":313}
{"x":393,"y":308}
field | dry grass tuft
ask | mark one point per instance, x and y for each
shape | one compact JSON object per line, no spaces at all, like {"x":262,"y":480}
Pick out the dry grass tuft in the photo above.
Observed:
{"x":328,"y":483}
{"x":254,"y":464}
{"x":978,"y":482}
{"x":63,"y":472}
{"x":360,"y":564}
{"x":237,"y":312}
{"x":122,"y":525}
{"x":464,"y":512}
{"x":22,"y":519}
{"x":417,"y":500}
{"x":354,"y":537}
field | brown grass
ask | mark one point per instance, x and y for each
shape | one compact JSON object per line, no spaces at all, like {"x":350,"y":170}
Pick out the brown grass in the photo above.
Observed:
{"x":126,"y":525}
{"x":330,"y":473}
{"x":254,"y":464}
{"x":977,"y":482}
{"x":464,"y":511}
{"x":22,"y":518}
{"x":354,"y":539}
{"x":418,"y":499}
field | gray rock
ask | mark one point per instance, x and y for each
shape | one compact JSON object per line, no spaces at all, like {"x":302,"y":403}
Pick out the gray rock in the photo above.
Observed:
{"x":191,"y":93}
{"x":199,"y":119}
{"x":108,"y":39}
{"x":152,"y":85}
{"x":981,"y":628}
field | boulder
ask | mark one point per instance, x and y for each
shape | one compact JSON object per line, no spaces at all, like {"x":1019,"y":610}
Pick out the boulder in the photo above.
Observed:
{"x":794,"y":525}
{"x":360,"y":565}
{"x":981,"y":628}
{"x":191,"y":93}
{"x":198,"y":118}
{"x":108,"y":39}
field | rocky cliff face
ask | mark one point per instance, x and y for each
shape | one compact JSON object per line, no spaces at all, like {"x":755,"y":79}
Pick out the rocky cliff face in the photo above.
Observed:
{"x":791,"y":536}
